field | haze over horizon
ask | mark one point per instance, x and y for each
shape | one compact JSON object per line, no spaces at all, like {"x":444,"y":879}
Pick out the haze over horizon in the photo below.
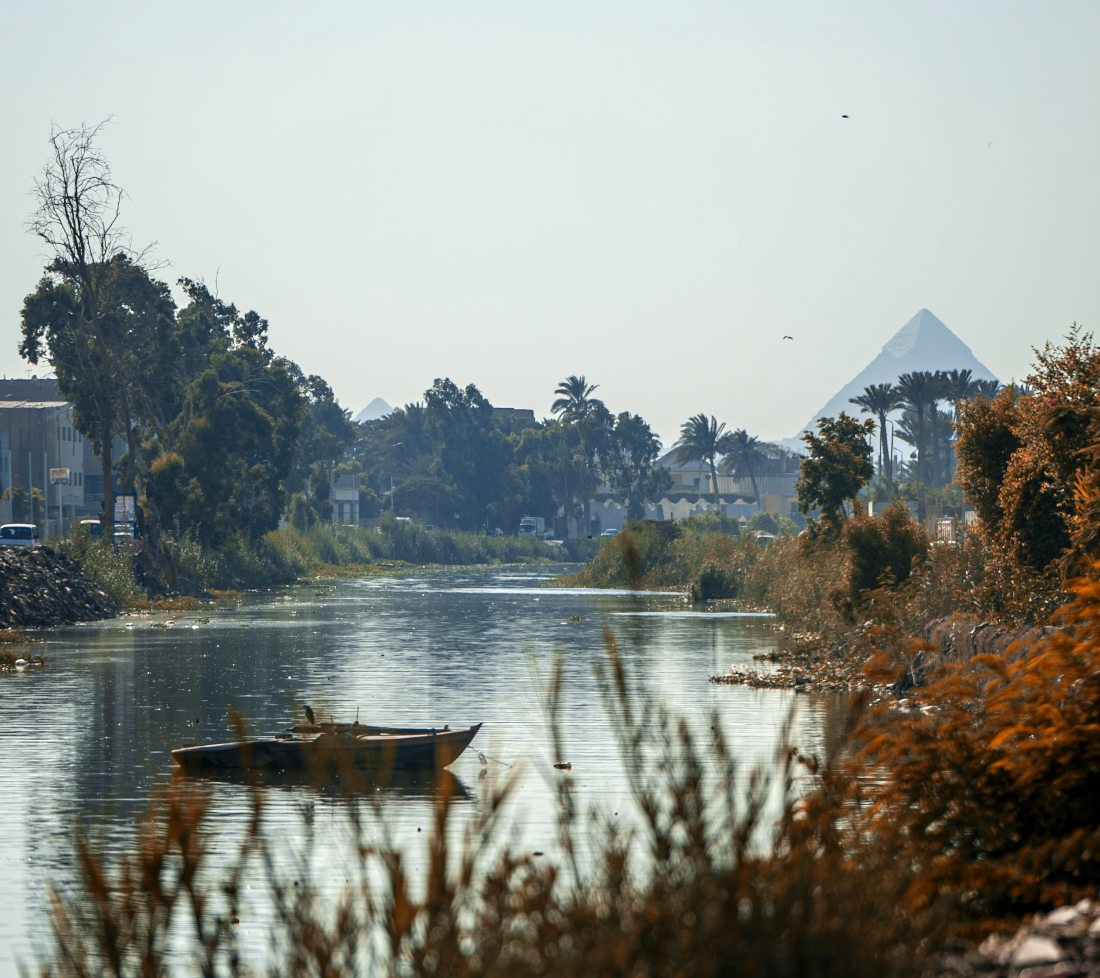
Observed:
{"x":649,"y":196}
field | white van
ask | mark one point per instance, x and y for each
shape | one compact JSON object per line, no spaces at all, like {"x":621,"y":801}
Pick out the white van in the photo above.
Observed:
{"x":18,"y":535}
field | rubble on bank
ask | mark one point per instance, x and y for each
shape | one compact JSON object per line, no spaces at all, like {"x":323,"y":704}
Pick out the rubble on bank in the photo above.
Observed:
{"x":951,"y":640}
{"x":1064,"y":942}
{"x":40,"y":587}
{"x":825,"y":676}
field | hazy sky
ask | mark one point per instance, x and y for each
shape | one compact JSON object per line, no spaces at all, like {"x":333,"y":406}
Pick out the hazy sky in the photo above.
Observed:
{"x":648,"y":194}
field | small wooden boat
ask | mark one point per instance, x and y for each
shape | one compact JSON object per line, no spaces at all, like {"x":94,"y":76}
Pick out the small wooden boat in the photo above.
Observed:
{"x":332,"y":745}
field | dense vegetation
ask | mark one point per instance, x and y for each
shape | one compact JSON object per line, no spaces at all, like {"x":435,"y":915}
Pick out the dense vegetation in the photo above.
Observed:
{"x":852,"y":585}
{"x":225,"y":439}
{"x":938,"y":812}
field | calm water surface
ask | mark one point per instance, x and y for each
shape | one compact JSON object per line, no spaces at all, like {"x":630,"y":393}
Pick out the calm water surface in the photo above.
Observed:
{"x":87,"y":737}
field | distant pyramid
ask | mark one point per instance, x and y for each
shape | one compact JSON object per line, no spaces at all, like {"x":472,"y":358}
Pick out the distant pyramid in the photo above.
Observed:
{"x":373,"y":411}
{"x":923,"y":343}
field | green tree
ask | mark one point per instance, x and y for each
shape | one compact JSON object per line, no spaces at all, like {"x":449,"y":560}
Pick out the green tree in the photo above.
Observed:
{"x":913,"y":389}
{"x":837,"y":467}
{"x":471,"y":453}
{"x":425,"y":497}
{"x":701,"y":441}
{"x":633,"y":476}
{"x":232,"y":451}
{"x":326,"y":431}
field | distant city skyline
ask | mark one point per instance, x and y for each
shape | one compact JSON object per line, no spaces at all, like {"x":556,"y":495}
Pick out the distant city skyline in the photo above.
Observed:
{"x":649,"y":196}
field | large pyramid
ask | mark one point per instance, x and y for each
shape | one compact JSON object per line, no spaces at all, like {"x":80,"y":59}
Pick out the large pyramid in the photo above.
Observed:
{"x":923,"y":343}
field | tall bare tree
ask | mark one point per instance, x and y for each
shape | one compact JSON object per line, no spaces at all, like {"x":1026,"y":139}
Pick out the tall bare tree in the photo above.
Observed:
{"x":78,"y":319}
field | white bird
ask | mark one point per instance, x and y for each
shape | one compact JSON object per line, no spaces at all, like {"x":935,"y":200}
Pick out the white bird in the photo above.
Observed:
{"x":481,"y":757}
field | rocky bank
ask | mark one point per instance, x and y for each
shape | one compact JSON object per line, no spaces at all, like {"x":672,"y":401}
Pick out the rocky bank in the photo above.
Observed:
{"x":1060,"y":944}
{"x":40,"y":587}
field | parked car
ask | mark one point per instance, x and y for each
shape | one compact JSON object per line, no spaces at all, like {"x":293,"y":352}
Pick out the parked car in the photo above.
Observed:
{"x":496,"y":531}
{"x":611,"y":531}
{"x":18,"y":535}
{"x":95,"y":528}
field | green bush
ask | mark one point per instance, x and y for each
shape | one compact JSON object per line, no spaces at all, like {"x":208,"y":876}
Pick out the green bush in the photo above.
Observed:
{"x":113,"y":572}
{"x":880,"y":551}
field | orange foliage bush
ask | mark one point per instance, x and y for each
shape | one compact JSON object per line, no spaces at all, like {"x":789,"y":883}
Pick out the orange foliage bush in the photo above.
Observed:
{"x":991,"y":775}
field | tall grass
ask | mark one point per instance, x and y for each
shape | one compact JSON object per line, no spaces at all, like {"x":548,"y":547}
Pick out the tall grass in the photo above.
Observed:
{"x":975,"y":799}
{"x":689,"y":891}
{"x":879,"y":582}
{"x":324,"y":547}
{"x":112,"y":571}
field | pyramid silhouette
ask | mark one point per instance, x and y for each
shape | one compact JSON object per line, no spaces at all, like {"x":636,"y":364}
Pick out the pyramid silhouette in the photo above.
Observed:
{"x":923,"y":343}
{"x":376,"y":409}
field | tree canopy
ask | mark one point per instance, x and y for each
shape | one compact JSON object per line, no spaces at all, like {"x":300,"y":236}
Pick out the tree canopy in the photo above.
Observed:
{"x":837,"y":467}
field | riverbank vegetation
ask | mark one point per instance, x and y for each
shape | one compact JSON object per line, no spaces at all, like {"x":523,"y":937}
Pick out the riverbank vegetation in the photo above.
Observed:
{"x":934,"y":816}
{"x":851,"y":585}
{"x":224,"y":440}
{"x":289,"y":553}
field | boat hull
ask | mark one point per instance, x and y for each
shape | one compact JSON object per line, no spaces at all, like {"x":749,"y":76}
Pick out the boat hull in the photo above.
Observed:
{"x":414,"y":749}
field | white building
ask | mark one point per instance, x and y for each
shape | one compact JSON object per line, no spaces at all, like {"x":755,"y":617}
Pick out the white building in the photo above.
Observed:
{"x":345,"y":500}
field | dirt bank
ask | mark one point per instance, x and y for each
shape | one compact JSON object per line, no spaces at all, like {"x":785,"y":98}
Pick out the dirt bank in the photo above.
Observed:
{"x":40,"y":587}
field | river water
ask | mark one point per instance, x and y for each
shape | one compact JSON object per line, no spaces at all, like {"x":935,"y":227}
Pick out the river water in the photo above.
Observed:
{"x":86,"y":738}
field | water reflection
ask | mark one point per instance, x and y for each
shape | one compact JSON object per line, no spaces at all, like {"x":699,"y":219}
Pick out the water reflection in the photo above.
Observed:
{"x":88,"y":736}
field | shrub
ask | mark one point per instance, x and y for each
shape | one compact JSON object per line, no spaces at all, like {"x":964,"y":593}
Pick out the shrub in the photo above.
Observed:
{"x":879,"y":551}
{"x":714,"y":582}
{"x":113,"y":572}
{"x":993,"y":774}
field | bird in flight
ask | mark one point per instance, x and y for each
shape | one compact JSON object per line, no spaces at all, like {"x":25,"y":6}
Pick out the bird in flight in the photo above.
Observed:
{"x":791,"y":338}
{"x":844,"y":117}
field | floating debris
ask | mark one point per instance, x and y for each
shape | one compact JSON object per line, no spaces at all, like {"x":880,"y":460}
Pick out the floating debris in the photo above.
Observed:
{"x":824,"y":676}
{"x":12,"y":661}
{"x":575,"y":618}
{"x":563,"y":766}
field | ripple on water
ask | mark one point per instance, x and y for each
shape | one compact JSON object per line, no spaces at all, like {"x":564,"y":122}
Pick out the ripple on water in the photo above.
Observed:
{"x":89,"y":734}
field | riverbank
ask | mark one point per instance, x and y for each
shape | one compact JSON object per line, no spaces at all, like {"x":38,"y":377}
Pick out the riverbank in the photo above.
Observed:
{"x":42,"y":588}
{"x":323,"y":550}
{"x":837,"y":603}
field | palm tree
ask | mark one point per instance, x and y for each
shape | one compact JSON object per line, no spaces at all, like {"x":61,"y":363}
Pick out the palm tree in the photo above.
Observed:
{"x":743,"y":457}
{"x":880,"y":400}
{"x":960,"y":387}
{"x":700,"y":441}
{"x":939,"y":386}
{"x":574,"y":402}
{"x":986,"y":389}
{"x":913,"y":388}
